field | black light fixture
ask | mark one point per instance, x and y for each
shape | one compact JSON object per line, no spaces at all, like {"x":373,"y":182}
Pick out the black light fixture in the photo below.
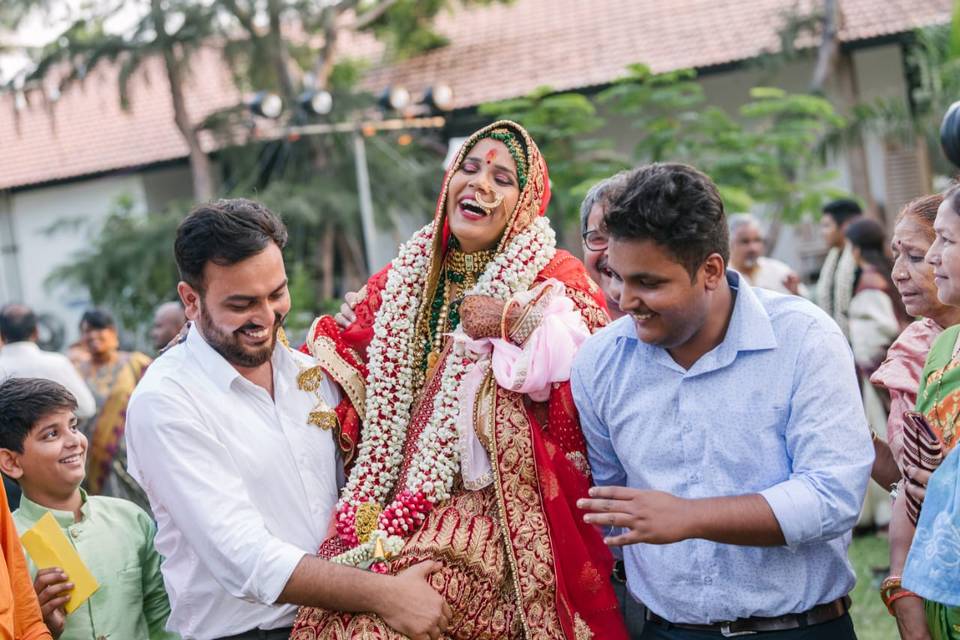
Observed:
{"x":316,"y":102}
{"x":394,"y":97}
{"x":439,"y":98}
{"x":266,"y":104}
{"x":950,"y":134}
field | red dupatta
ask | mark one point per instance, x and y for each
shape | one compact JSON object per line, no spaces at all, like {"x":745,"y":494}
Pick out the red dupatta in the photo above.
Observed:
{"x":562,"y":567}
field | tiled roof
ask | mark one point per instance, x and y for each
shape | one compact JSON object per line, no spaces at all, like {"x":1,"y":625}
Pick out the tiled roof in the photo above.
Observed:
{"x":495,"y":52}
{"x":86,"y":131}
{"x":503,"y":51}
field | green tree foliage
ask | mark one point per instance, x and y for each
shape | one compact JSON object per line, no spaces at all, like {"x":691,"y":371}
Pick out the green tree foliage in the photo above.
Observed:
{"x":933,"y":65}
{"x":126,"y":265}
{"x":762,"y":156}
{"x":309,"y":181}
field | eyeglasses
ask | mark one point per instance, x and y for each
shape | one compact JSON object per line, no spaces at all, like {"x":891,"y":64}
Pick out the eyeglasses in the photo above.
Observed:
{"x":595,"y":240}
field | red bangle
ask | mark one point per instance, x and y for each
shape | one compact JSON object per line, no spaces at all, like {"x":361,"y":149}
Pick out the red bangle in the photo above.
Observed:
{"x":902,"y":593}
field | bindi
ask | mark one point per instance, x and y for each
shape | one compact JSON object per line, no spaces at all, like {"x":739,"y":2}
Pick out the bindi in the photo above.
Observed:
{"x":491,"y":156}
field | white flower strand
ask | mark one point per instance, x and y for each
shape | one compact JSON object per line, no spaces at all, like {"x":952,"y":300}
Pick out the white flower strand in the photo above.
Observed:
{"x":391,"y":374}
{"x":513,"y":270}
{"x":364,"y":552}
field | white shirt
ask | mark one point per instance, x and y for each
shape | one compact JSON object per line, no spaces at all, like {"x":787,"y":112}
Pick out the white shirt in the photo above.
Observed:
{"x":770,"y":274}
{"x":26,"y":360}
{"x":242,"y":486}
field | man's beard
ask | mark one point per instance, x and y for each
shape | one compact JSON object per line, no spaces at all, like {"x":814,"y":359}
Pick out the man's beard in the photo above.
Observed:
{"x":229,"y":346}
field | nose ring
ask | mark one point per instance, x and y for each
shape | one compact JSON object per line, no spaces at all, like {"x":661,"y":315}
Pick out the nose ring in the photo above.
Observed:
{"x":489,"y":206}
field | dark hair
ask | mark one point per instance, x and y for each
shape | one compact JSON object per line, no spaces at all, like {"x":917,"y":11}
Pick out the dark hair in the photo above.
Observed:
{"x":676,"y":206}
{"x":26,"y":401}
{"x":97,"y":319}
{"x":869,"y":237}
{"x":842,"y":210}
{"x":923,"y":210}
{"x":224,"y":232}
{"x":17,"y":323}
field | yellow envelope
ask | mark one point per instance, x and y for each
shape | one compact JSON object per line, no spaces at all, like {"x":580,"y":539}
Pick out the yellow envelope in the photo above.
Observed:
{"x":49,"y":547}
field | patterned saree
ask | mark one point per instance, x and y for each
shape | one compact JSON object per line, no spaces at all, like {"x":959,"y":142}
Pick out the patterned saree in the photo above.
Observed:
{"x":931,"y":568}
{"x":518,"y":560}
{"x":112,"y":386}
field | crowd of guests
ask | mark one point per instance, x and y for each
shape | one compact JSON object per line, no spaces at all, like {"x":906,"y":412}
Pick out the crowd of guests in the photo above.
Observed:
{"x":668,"y":440}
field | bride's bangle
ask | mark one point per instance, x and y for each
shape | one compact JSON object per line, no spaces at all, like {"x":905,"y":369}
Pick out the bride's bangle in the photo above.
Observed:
{"x":504,"y":334}
{"x":524,"y":327}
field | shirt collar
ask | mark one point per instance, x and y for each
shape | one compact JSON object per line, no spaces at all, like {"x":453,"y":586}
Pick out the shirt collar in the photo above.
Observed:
{"x":32,"y":511}
{"x":750,"y":329}
{"x":221,"y":372}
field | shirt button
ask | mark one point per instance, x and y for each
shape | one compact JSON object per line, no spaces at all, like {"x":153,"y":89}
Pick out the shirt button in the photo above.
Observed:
{"x":75,"y":533}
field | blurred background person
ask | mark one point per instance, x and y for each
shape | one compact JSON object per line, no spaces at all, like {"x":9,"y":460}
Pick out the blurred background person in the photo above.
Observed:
{"x":168,"y":319}
{"x":21,"y":357}
{"x":595,"y":240}
{"x":837,"y":275}
{"x":112,"y":375}
{"x":900,"y":376}
{"x":876,"y":317}
{"x":747,"y":249}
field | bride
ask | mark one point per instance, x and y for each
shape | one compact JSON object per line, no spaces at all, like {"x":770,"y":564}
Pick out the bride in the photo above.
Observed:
{"x":458,"y":427}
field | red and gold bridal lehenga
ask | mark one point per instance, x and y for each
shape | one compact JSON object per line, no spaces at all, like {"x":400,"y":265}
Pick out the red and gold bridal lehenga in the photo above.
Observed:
{"x":518,"y":560}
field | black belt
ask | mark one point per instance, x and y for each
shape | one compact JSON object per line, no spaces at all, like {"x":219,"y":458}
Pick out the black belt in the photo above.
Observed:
{"x":262,"y":634}
{"x":749,"y":626}
{"x":619,"y":571}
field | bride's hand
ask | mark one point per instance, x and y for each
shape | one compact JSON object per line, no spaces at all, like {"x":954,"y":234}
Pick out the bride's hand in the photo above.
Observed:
{"x":480,"y":316}
{"x":346,"y":317}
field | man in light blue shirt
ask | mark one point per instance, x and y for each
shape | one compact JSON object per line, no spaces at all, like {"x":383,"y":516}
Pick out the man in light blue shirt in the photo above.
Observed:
{"x":724,"y":427}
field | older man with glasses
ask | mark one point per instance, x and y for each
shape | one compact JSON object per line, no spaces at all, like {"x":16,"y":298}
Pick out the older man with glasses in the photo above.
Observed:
{"x":595,"y":240}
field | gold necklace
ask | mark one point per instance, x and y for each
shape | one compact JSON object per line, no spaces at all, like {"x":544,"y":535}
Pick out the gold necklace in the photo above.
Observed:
{"x":462,"y":270}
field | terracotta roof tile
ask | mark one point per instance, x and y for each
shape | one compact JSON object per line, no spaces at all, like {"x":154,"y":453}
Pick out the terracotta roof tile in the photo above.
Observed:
{"x":85,"y":131}
{"x":503,"y":51}
{"x":495,"y":52}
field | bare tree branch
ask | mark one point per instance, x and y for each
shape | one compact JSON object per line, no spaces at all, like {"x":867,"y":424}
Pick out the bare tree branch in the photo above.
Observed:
{"x":829,"y":46}
{"x":372,"y":15}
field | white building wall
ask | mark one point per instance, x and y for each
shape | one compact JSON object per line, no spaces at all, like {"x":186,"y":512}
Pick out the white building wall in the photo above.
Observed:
{"x":51,"y":225}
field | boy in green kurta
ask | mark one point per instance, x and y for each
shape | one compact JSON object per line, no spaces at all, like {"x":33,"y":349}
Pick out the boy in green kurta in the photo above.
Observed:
{"x":42,"y":449}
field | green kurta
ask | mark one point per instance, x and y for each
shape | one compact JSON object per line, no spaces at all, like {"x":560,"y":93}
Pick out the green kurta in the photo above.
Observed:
{"x":115,"y":540}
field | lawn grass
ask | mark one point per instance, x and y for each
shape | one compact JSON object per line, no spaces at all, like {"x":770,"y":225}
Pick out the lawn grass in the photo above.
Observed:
{"x":870,"y":617}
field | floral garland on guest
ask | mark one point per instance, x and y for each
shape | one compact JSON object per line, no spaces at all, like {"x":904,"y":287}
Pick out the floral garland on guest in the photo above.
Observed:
{"x":391,"y":376}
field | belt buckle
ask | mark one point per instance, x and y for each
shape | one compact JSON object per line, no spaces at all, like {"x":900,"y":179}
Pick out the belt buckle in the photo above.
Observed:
{"x":726,"y":632}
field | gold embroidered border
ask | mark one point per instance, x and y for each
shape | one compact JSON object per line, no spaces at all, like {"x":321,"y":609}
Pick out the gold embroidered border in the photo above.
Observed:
{"x":595,"y":317}
{"x":325,"y":351}
{"x":524,"y":525}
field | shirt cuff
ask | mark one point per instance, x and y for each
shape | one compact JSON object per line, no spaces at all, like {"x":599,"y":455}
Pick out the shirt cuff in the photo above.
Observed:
{"x":274,"y":568}
{"x":797,"y":509}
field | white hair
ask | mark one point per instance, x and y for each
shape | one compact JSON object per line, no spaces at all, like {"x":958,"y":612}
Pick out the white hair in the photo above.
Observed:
{"x":738,"y":220}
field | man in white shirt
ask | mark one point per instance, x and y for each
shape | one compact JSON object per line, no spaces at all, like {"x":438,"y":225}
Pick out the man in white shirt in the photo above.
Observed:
{"x":21,"y":357}
{"x":747,"y":246}
{"x":242,"y":483}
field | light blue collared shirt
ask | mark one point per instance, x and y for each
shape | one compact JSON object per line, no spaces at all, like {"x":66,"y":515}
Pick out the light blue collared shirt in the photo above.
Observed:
{"x":774,"y":409}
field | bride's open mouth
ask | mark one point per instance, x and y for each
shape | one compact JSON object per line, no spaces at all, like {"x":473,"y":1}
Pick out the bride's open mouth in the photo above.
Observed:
{"x":473,"y":210}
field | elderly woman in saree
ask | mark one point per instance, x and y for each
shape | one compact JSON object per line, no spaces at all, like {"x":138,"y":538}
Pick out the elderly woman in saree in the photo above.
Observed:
{"x":458,"y":426}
